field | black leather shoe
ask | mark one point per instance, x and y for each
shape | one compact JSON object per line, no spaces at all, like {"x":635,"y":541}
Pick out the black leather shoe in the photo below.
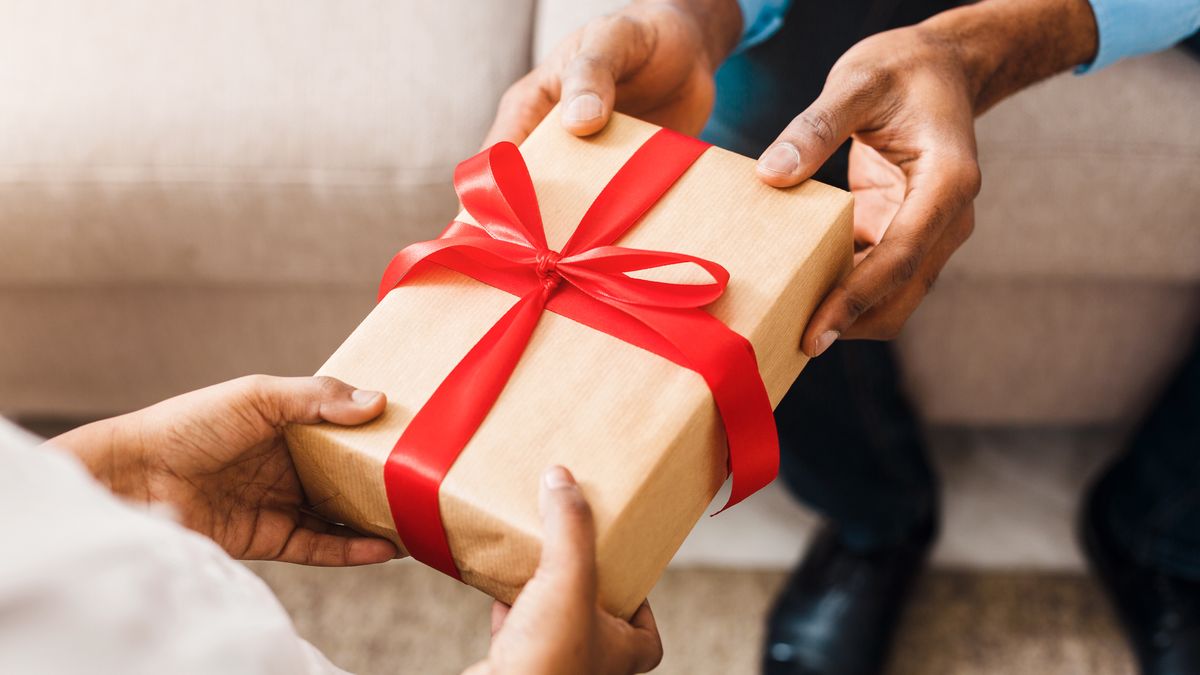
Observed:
{"x":1160,"y":613}
{"x":839,"y":611}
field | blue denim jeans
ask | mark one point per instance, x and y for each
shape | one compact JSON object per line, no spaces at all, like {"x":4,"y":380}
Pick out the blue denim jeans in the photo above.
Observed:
{"x":851,"y":443}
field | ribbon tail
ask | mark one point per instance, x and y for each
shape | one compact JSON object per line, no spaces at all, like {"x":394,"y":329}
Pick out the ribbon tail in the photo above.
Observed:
{"x":728,"y":365}
{"x":440,"y":430}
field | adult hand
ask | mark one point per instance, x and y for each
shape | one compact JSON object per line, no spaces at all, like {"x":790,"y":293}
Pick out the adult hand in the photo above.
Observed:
{"x":908,"y":98}
{"x":907,"y":103}
{"x":652,"y":59}
{"x":219,"y":458}
{"x":555,"y":625}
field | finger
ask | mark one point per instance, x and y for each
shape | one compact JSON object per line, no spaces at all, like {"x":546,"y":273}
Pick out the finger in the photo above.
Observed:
{"x":643,"y":618}
{"x":813,"y":136}
{"x":647,"y":647}
{"x":885,"y":319}
{"x":499,"y":614}
{"x":589,"y":93}
{"x":321,"y":526}
{"x":306,"y":547}
{"x":568,"y":536}
{"x":523,"y":107}
{"x":309,"y":400}
{"x":610,"y":48}
{"x":318,"y":524}
{"x":938,"y":192}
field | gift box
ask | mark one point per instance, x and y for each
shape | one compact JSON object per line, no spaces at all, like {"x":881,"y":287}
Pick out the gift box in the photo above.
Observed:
{"x":501,"y":355}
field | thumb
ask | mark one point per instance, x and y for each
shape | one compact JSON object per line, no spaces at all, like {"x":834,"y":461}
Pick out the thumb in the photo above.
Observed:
{"x":589,"y":93}
{"x":309,"y":400}
{"x":568,"y":538}
{"x":809,"y":140}
{"x":610,"y":48}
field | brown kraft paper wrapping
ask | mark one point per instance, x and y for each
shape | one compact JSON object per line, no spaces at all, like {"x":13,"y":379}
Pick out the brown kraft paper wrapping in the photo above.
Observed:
{"x":640,"y":433}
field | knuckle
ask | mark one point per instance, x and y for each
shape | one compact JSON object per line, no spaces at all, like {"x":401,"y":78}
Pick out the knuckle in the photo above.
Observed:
{"x":855,"y":302}
{"x":620,"y":24}
{"x":587,"y":70}
{"x":929,"y":282}
{"x":906,"y":259}
{"x":868,"y":78}
{"x":970,"y":177}
{"x":619,"y":28}
{"x":254,"y":385}
{"x":328,"y":385}
{"x":907,"y":266}
{"x":817,"y":123}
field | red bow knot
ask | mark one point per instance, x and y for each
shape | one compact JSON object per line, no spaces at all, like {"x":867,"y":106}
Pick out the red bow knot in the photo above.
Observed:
{"x":587,"y":281}
{"x":547,"y":270}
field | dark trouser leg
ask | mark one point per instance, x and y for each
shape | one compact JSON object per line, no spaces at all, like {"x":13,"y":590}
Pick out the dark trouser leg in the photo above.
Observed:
{"x":852,"y":448}
{"x":1150,"y":498}
{"x":1141,"y":530}
{"x":851,"y":444}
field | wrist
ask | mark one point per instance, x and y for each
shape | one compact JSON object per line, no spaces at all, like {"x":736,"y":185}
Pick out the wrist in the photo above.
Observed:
{"x":1004,"y":46}
{"x":110,"y":454}
{"x":718,"y":23}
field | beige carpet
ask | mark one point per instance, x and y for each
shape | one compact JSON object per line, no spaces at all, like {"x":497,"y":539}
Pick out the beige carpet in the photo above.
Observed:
{"x":404,"y":618}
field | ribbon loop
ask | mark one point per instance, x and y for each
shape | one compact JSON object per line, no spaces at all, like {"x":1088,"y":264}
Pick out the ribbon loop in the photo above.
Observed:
{"x":495,"y":188}
{"x":601,"y":272}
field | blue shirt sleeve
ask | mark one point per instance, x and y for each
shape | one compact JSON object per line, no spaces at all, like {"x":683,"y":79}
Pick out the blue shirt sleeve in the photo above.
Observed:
{"x":760,"y":20}
{"x":1132,"y":27}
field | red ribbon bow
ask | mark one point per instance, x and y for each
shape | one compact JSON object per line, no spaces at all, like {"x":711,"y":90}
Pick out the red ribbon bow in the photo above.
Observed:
{"x":586,"y":282}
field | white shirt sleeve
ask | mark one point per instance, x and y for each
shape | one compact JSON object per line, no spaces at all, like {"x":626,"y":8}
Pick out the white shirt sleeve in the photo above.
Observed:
{"x":89,"y":584}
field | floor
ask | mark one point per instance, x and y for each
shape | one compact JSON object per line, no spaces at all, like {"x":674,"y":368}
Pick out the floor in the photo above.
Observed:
{"x":404,"y":618}
{"x":1009,"y":502}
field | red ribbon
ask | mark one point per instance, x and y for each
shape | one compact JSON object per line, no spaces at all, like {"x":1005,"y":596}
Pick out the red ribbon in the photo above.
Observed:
{"x":586,"y":282}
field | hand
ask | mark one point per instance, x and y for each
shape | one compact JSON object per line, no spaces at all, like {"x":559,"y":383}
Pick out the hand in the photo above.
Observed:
{"x":555,"y":626}
{"x":654,"y":60}
{"x":219,"y":458}
{"x":913,"y":172}
{"x":908,"y":98}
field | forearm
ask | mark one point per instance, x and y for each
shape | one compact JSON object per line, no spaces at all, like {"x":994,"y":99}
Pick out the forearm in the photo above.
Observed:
{"x":1007,"y":45}
{"x":719,"y":22}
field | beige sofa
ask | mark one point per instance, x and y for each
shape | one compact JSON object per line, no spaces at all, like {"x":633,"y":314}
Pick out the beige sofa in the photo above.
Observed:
{"x":194,"y":190}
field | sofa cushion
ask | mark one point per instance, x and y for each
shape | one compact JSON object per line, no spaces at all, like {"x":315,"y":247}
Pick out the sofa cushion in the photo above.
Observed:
{"x":229,"y":141}
{"x":1040,"y":352}
{"x":1094,"y":176}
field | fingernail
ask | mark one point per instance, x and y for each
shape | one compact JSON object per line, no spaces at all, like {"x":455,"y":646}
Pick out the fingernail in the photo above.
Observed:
{"x":363,"y":396}
{"x":583,"y":108}
{"x":781,"y":158}
{"x":824,"y":340}
{"x":556,"y":478}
